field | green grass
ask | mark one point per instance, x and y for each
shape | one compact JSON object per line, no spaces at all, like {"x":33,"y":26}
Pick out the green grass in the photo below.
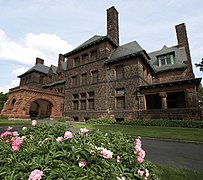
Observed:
{"x":5,"y":122}
{"x":167,"y":173}
{"x":182,"y":134}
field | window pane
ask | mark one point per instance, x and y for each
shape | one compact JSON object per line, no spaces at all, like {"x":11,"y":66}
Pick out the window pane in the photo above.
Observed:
{"x":120,"y":102}
{"x":84,"y":79}
{"x":94,"y":76}
{"x":120,"y":91}
{"x":83,"y":104}
{"x":94,"y":55}
{"x":91,"y":103}
{"x":85,"y":59}
{"x":76,"y":61}
{"x":91,"y":94}
{"x":75,"y":105}
{"x":74,"y":81}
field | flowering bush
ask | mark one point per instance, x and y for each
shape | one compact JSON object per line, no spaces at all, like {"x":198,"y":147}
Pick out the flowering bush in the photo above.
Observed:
{"x":52,"y":152}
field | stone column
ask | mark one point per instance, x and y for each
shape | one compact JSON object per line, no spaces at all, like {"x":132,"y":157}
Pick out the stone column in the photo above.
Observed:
{"x":163,"y":96}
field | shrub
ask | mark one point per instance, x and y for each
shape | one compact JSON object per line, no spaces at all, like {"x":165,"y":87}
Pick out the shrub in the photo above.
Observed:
{"x":100,"y":121}
{"x":52,"y":152}
{"x":164,"y":123}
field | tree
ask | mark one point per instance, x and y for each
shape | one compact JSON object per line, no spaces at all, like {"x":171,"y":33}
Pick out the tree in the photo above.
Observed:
{"x":200,"y":65}
{"x":3,"y":99}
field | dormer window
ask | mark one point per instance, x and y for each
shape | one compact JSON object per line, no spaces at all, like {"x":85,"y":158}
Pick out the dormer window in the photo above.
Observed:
{"x":167,"y":59}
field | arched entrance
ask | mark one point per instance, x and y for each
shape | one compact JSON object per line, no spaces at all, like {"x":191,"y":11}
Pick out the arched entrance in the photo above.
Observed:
{"x":40,"y":108}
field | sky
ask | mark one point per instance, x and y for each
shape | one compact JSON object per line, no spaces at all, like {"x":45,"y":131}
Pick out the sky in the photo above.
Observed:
{"x":46,"y":28}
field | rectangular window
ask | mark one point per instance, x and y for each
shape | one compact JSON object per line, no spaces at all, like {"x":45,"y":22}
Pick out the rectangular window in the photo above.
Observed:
{"x":167,"y":59}
{"x":76,"y":62}
{"x":120,"y":91}
{"x":120,"y":72}
{"x":83,"y":95}
{"x":41,"y":79}
{"x":85,"y":58}
{"x":94,"y":76}
{"x":94,"y":55}
{"x":83,"y":104}
{"x":84,"y":79}
{"x":74,"y":81}
{"x":120,"y":102}
{"x":75,"y":105}
{"x":91,"y":94}
{"x":75,"y":96}
{"x":91,"y":104}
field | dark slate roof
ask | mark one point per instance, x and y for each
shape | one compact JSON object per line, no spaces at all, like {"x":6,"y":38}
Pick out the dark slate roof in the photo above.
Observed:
{"x":37,"y":68}
{"x":195,"y":81}
{"x":128,"y":50}
{"x":180,"y":57}
{"x":55,"y":83}
{"x":93,"y":40}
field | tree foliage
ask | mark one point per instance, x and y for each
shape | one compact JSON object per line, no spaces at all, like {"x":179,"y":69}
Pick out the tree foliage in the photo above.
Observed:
{"x":200,"y":65}
{"x":3,"y":99}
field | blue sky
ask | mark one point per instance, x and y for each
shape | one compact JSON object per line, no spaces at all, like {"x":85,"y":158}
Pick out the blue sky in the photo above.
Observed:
{"x":45,"y":28}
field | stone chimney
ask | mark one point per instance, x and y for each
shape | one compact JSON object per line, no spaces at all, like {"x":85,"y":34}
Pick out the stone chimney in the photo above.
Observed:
{"x":112,"y":24}
{"x":183,"y":42}
{"x":39,"y":61}
{"x":61,"y":58}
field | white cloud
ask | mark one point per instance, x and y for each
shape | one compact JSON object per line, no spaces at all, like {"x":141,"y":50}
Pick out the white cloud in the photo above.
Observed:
{"x":46,"y":46}
{"x":19,"y":71}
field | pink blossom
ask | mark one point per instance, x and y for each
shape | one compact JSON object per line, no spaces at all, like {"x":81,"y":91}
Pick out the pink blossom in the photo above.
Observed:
{"x":5,"y":135}
{"x":82,"y":163}
{"x":140,"y":173}
{"x":68,"y":135}
{"x":17,"y":143}
{"x":83,"y":131}
{"x":142,"y":153}
{"x":140,"y":159}
{"x":107,"y":154}
{"x":15,"y":133}
{"x":138,"y":144}
{"x":9,"y":128}
{"x":118,"y":159}
{"x":36,"y":175}
{"x":99,"y":148}
{"x":34,"y":123}
{"x":59,"y":139}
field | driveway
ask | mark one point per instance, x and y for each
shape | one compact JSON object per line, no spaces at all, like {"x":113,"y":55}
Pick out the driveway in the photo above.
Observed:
{"x":174,"y":154}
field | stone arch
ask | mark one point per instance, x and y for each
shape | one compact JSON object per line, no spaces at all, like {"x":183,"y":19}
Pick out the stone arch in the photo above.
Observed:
{"x":42,"y":107}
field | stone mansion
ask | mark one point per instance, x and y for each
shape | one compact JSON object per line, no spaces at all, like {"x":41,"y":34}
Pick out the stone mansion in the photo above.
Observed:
{"x":101,"y":78}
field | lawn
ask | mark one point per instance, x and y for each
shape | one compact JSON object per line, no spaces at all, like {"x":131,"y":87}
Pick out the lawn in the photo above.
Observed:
{"x":181,"y":134}
{"x":5,"y":122}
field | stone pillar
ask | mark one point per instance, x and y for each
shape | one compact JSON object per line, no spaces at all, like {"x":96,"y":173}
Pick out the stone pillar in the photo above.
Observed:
{"x":163,"y":96}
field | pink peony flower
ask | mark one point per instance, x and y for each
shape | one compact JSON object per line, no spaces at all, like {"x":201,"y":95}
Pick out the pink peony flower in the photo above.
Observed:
{"x":9,"y":128}
{"x":15,"y":133}
{"x":68,"y":135}
{"x":36,"y":175}
{"x":146,"y":173}
{"x":82,"y":163}
{"x":107,"y":154}
{"x":6,"y":134}
{"x":140,"y":173}
{"x":140,"y":159}
{"x":34,"y":123}
{"x":142,"y":153}
{"x":59,"y":139}
{"x":83,"y":131}
{"x":17,"y":143}
{"x":138,"y":144}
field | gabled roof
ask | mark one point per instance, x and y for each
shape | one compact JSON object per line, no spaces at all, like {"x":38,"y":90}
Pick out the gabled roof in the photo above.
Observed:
{"x":129,"y":50}
{"x":92,"y":41}
{"x":37,"y":68}
{"x":180,"y":58}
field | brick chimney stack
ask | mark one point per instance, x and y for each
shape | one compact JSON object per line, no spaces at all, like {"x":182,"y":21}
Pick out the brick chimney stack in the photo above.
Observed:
{"x":112,"y":24}
{"x":183,"y":42}
{"x":39,"y":61}
{"x":61,"y":58}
